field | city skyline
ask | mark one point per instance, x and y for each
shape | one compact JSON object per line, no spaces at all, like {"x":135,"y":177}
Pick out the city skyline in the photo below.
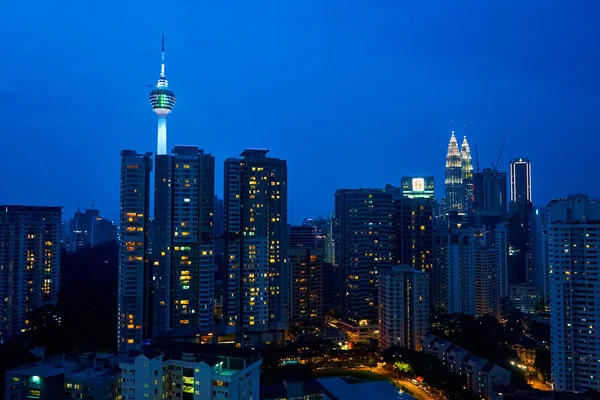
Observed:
{"x":227,"y":75}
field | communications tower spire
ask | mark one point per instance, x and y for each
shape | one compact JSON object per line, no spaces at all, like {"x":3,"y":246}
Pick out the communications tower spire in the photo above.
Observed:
{"x":162,"y":101}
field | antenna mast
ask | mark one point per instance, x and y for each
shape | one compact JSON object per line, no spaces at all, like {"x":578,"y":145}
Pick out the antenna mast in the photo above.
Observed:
{"x":162,"y":58}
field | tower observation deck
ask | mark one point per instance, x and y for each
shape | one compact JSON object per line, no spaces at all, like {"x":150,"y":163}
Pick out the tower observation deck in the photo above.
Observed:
{"x":162,"y":101}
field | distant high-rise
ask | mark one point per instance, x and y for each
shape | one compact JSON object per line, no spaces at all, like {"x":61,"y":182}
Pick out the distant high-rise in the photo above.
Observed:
{"x":219,"y":217}
{"x":454,"y":270}
{"x":183,"y":252}
{"x":520,"y":180}
{"x":134,"y":303}
{"x":256,"y":235}
{"x":364,"y":244}
{"x":487,"y":281}
{"x":162,"y":101}
{"x":415,"y":239}
{"x":489,"y":196}
{"x":80,"y":229}
{"x":574,"y":261}
{"x":454,"y":178}
{"x":306,"y":275}
{"x":403,"y":307}
{"x":29,"y":263}
{"x":466,"y":163}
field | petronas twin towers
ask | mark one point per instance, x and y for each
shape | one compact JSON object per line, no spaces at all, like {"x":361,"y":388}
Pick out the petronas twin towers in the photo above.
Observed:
{"x":459,"y":177}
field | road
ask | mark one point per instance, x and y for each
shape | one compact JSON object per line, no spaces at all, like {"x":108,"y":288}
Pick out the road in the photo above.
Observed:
{"x":415,"y":390}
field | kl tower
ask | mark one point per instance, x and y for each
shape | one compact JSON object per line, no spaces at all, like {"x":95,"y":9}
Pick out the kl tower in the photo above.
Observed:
{"x":162,"y":101}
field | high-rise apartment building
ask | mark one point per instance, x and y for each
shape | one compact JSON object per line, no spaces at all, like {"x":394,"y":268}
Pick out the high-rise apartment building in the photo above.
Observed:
{"x":403,"y":307}
{"x":134,"y":303}
{"x":414,"y":232}
{"x":364,"y":244}
{"x":520,"y":180}
{"x":454,"y":270}
{"x":306,"y":266}
{"x":183,"y":252}
{"x":256,"y":235}
{"x":29,"y":263}
{"x":574,"y":262}
{"x":487,"y":281}
{"x":453,"y":200}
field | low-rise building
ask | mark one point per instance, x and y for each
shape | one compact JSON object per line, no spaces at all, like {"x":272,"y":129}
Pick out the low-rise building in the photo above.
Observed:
{"x":180,"y":370}
{"x":89,"y":376}
{"x":480,"y":375}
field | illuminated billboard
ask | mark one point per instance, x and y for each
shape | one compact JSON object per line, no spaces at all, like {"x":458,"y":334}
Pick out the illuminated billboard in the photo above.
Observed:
{"x":418,"y":185}
{"x":421,"y":186}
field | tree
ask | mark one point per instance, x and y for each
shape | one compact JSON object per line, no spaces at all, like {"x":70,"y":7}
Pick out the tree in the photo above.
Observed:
{"x":543,"y":363}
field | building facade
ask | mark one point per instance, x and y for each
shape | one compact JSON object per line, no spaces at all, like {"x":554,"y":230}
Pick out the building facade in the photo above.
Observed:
{"x":520,"y":180}
{"x":134,"y":303}
{"x":177,"y":370}
{"x":454,"y":270}
{"x":414,"y":226}
{"x":183,"y":253}
{"x":487,"y":282}
{"x":574,"y":241}
{"x":29,"y":263}
{"x":256,"y":239}
{"x":306,"y":265}
{"x":364,"y":244}
{"x":489,"y":197}
{"x":90,"y":376}
{"x":403,"y":307}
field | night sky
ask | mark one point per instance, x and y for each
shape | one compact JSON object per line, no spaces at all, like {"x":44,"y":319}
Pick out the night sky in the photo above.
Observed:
{"x":351,"y":93}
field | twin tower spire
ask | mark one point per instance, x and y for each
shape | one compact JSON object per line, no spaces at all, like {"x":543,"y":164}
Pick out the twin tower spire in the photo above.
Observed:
{"x":459,"y":176}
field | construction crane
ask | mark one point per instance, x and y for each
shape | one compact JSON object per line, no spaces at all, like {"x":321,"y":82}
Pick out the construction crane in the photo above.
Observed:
{"x":495,"y":166}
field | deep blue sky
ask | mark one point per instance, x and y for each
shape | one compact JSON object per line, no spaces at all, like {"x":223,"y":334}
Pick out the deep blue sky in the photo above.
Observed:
{"x":352,"y":93}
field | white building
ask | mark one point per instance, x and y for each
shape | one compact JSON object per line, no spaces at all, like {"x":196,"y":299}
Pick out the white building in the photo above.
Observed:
{"x":454,"y":270}
{"x":403,"y":307}
{"x":479,"y":375}
{"x":178,"y":370}
{"x":573,"y":243}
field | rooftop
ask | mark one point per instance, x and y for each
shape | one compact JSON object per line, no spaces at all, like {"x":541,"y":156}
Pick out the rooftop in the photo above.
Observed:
{"x":43,"y":371}
{"x":340,"y":389}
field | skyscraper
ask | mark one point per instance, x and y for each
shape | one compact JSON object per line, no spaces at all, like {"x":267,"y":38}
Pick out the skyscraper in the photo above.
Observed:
{"x":414,"y":233}
{"x":487,"y":281}
{"x":489,"y":197}
{"x":183,"y":252}
{"x":466,"y":163}
{"x":256,"y":235}
{"x":574,"y":241}
{"x":364,"y":244}
{"x":306,"y":276}
{"x":134,"y":306}
{"x":454,"y":178}
{"x":520,"y":180}
{"x":162,"y":101}
{"x":454,"y":270}
{"x":403,"y":307}
{"x":29,"y":263}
